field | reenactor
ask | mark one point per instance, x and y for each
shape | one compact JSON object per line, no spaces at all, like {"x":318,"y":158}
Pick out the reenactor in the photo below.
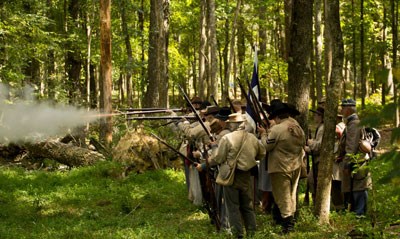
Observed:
{"x":284,"y":144}
{"x":354,"y":183}
{"x":242,"y":150}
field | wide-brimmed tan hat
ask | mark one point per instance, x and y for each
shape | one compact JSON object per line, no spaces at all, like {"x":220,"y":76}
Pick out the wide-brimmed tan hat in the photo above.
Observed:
{"x":235,"y":118}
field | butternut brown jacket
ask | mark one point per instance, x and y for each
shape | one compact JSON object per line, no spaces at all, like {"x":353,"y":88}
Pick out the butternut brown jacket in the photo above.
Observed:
{"x":285,"y":146}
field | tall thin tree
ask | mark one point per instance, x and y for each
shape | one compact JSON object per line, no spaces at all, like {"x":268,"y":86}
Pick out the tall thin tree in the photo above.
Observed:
{"x":332,"y":26}
{"x":105,"y":71}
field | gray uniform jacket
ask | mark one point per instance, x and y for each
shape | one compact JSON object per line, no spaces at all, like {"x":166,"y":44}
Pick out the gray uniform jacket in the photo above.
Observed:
{"x":315,"y":146}
{"x":349,"y":145}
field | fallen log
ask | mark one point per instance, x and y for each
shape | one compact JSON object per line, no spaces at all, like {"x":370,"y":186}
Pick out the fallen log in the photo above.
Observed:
{"x":67,"y":154}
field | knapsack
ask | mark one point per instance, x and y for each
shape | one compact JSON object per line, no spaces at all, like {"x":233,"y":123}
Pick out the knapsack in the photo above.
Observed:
{"x":369,"y":141}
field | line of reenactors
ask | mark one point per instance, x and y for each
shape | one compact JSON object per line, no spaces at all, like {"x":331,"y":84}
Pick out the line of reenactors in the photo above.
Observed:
{"x":223,"y":136}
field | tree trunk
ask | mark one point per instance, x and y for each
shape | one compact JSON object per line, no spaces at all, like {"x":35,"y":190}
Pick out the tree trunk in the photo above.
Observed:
{"x":129,"y":65}
{"x":299,"y":67}
{"x":73,"y":61}
{"x":64,"y":153}
{"x":105,"y":71}
{"x":202,"y":49}
{"x":225,"y":79}
{"x":241,"y":49}
{"x":354,"y":58}
{"x":93,"y":86}
{"x":141,"y":83}
{"x":89,"y":17}
{"x":362,"y":57}
{"x":395,"y":15}
{"x":157,"y":64}
{"x":318,"y":49}
{"x":332,"y":24}
{"x":288,"y":7}
{"x":225,"y":93}
{"x":121,"y":92}
{"x":213,"y":49}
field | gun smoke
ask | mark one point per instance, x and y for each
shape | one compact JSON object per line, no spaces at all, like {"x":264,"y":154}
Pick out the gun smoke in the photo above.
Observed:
{"x":23,"y":119}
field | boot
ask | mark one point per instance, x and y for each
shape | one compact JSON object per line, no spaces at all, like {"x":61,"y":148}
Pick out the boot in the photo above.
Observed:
{"x":287,"y":224}
{"x":276,"y":214}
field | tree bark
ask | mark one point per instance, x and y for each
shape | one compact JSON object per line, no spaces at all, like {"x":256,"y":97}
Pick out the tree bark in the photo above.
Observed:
{"x":318,"y":49}
{"x":362,"y":57}
{"x":225,"y":92}
{"x":354,"y":58}
{"x":74,"y":61}
{"x":129,"y":64}
{"x":213,"y":49}
{"x":202,"y":49}
{"x":299,"y":67}
{"x":67,"y":154}
{"x":395,"y":14}
{"x":105,"y":71}
{"x":157,"y":87}
{"x":288,"y":7}
{"x":332,"y":24}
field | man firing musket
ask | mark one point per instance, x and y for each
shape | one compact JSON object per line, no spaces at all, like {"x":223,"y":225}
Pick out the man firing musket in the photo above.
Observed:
{"x":198,"y":136}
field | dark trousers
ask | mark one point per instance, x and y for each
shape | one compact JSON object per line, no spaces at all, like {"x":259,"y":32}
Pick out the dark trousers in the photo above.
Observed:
{"x":239,"y":204}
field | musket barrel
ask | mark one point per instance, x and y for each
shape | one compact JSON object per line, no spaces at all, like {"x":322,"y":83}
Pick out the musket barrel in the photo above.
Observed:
{"x":162,"y":118}
{"x":196,"y":114}
{"x":151,"y":109}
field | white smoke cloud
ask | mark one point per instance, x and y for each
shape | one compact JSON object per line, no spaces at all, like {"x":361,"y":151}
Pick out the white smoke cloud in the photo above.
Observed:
{"x":24,"y":119}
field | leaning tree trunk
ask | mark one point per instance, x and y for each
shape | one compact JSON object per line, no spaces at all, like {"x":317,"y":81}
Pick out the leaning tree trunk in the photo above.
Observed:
{"x":334,"y":87}
{"x":64,"y":153}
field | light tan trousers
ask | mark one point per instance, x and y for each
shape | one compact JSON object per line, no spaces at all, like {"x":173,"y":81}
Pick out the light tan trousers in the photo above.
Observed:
{"x":284,"y":189}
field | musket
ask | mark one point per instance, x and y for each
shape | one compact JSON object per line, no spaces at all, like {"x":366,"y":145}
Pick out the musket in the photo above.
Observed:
{"x":149,"y":109}
{"x":250,"y":103}
{"x":215,"y":102}
{"x":230,"y":103}
{"x":152,"y":111}
{"x":173,"y":149}
{"x":178,"y":117}
{"x":209,"y":195}
{"x":258,"y":105}
{"x":196,"y":114}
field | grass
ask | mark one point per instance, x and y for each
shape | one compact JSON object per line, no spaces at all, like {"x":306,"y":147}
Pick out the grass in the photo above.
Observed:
{"x":96,"y":202}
